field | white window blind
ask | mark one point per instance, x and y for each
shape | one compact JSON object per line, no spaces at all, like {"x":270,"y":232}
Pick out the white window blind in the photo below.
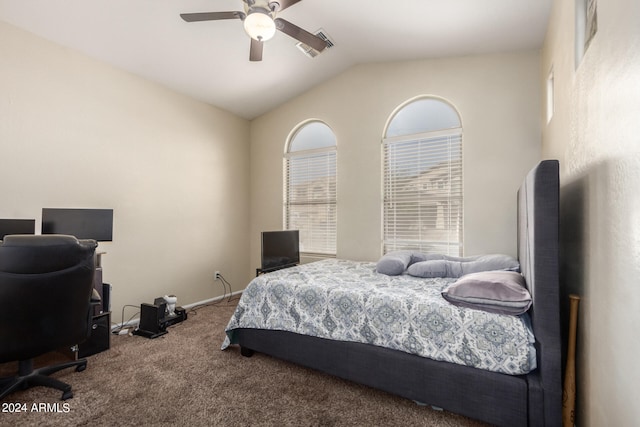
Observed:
{"x":422,"y":188}
{"x":310,"y":199}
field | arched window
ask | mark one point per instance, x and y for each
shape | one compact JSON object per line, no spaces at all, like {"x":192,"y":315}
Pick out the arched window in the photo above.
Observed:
{"x":422,"y":178}
{"x":310,"y":187}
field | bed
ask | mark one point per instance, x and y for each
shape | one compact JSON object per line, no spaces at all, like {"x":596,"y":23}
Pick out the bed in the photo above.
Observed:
{"x":506,"y":386}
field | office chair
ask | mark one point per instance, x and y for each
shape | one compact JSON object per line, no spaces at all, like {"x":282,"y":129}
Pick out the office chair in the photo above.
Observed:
{"x":46,"y":285}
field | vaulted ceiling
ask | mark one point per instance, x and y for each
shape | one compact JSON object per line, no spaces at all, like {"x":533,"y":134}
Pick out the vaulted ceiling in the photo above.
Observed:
{"x":210,"y":60}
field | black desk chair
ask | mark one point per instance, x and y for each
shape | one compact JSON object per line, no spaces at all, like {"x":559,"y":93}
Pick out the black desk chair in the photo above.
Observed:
{"x":46,"y":284}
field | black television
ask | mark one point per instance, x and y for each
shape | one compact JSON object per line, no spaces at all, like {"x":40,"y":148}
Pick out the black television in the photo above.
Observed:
{"x":96,"y":224}
{"x":280,"y":249}
{"x":17,"y":226}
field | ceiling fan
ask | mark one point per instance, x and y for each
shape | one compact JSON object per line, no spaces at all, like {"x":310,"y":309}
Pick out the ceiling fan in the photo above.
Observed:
{"x":261,"y":23}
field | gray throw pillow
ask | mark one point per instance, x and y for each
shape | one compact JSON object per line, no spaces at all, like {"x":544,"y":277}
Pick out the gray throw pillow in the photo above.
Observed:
{"x":394,"y":263}
{"x":449,"y":266}
{"x":491,"y":262}
{"x":430,"y":269}
{"x":502,"y":292}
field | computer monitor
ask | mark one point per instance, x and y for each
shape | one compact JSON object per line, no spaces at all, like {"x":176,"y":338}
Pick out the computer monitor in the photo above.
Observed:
{"x":17,"y":226}
{"x":96,"y":224}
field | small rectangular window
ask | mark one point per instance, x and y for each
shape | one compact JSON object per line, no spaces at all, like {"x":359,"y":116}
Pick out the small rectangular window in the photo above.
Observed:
{"x":550,"y":96}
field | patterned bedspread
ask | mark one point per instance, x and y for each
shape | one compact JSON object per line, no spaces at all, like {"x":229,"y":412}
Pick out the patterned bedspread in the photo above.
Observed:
{"x":349,"y":301}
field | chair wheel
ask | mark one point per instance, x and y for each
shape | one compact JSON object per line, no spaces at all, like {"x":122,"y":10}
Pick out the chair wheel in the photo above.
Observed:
{"x":81,"y":368}
{"x":67,"y":395}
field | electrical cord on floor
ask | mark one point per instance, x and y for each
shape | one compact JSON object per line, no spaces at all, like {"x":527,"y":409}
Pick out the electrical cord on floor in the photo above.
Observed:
{"x":123,"y":324}
{"x":218,"y":302}
{"x":230,"y":299}
{"x":193,"y":310}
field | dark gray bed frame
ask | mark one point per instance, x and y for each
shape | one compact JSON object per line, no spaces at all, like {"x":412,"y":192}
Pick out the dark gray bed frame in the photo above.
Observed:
{"x":534,"y":399}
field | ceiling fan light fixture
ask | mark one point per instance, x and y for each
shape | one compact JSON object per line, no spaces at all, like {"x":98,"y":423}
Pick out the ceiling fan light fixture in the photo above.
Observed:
{"x":259,"y":25}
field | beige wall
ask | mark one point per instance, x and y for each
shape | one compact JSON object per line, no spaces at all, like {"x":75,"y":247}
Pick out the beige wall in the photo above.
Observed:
{"x":594,"y":132}
{"x":498,"y":98}
{"x":77,"y":133}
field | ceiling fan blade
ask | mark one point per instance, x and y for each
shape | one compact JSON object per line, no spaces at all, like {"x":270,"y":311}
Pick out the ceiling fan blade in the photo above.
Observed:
{"x":211,"y":16}
{"x":255,"y":53}
{"x":285,"y":4}
{"x":301,"y":35}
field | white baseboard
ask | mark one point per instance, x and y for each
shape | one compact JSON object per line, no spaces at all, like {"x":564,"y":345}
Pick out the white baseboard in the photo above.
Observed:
{"x":210,"y":300}
{"x":134,"y":322}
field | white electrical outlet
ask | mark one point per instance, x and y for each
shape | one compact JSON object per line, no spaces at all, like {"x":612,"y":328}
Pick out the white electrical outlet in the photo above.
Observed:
{"x":217,"y":275}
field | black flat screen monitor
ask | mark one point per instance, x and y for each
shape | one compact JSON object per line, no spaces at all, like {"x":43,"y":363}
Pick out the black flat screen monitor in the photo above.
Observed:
{"x":96,"y":224}
{"x":280,"y":249}
{"x":17,"y":226}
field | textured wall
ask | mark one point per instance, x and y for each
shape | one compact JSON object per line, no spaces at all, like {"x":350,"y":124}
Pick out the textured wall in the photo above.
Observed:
{"x":595,"y":132}
{"x":77,"y":133}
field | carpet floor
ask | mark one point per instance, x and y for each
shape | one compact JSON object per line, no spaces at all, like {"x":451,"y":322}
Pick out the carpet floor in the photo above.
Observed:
{"x":183,"y":378}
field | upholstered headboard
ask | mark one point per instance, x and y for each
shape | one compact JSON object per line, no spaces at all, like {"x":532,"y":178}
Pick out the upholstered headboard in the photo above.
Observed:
{"x":538,"y":241}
